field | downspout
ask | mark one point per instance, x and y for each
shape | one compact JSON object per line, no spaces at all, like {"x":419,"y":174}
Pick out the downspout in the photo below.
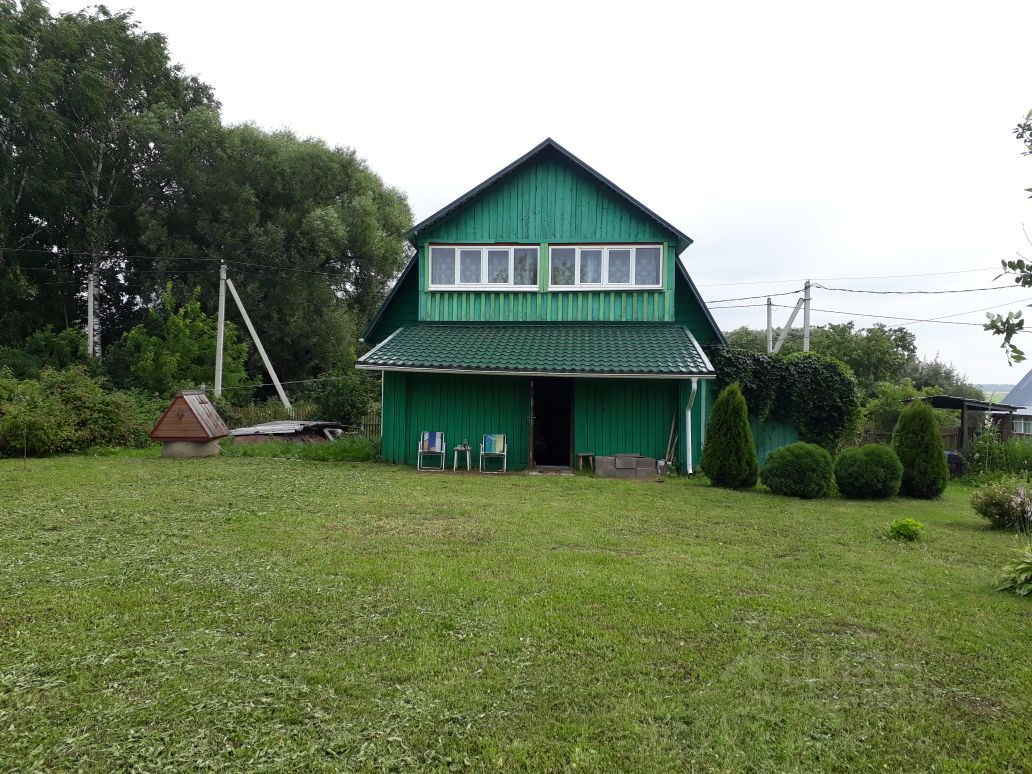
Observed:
{"x":688,"y":426}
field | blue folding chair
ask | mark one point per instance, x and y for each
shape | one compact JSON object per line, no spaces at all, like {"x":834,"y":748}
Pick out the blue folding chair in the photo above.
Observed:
{"x":431,"y":443}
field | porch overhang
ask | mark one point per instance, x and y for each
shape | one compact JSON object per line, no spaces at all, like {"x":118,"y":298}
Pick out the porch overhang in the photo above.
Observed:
{"x":599,"y":350}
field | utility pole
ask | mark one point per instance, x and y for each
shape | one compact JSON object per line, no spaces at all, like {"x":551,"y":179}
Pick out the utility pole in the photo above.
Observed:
{"x":806,"y":316}
{"x":260,"y":348}
{"x":220,"y":334}
{"x":770,"y":326}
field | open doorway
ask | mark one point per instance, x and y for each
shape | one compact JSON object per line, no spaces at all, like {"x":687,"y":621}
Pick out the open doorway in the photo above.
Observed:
{"x":552,"y":422}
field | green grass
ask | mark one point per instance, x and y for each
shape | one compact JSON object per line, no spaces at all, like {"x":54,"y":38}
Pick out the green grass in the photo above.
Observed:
{"x":284,"y":614}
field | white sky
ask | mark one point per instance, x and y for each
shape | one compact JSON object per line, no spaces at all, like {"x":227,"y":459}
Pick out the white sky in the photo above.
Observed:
{"x":789,"y":139}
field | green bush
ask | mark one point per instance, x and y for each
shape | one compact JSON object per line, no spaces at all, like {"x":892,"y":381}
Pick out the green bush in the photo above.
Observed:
{"x":1005,"y":502}
{"x":918,"y":445}
{"x":799,"y":470}
{"x":347,"y":448}
{"x":906,"y":529}
{"x":729,"y":456}
{"x":70,"y":411}
{"x":1017,"y":576}
{"x":871,"y":472}
{"x":342,"y":395}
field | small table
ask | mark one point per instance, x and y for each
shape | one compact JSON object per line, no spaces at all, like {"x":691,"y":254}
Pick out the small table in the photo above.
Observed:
{"x":462,"y":447}
{"x":582,"y":456}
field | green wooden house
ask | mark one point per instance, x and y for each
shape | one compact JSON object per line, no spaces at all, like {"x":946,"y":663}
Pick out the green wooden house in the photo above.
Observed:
{"x":549,"y":305}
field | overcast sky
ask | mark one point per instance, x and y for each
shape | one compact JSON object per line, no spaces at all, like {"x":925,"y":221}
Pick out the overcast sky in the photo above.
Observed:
{"x":790,"y":140}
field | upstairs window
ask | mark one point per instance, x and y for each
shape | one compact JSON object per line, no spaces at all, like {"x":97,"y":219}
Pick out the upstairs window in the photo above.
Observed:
{"x":483,"y":268}
{"x":602,"y":267}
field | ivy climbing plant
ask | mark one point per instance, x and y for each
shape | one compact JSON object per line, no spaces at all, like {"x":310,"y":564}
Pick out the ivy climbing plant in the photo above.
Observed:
{"x":817,"y":394}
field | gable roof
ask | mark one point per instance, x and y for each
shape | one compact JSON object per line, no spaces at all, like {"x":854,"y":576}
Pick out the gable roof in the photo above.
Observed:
{"x":683,"y":240}
{"x":1021,"y":393}
{"x":395,"y":288}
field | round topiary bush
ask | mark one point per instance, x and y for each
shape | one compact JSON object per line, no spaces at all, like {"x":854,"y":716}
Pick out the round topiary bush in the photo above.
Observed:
{"x":906,"y":529}
{"x":871,"y":472}
{"x":799,"y":470}
{"x":728,"y":456}
{"x":918,"y":444}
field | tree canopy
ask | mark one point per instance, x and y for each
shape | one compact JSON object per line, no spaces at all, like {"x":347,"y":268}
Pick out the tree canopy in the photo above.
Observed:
{"x":113,"y":159}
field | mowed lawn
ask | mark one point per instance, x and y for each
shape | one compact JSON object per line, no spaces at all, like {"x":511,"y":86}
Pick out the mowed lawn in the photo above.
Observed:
{"x":275,"y":614}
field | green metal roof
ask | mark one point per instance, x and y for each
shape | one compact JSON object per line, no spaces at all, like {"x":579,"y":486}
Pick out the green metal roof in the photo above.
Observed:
{"x":590,"y":349}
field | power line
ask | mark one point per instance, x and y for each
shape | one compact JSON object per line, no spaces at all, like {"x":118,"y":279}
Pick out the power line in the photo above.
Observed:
{"x":838,"y":279}
{"x":914,"y":292}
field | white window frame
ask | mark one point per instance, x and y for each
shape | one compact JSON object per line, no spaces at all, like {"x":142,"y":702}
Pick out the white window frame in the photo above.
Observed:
{"x":509,"y":286}
{"x":605,"y":284}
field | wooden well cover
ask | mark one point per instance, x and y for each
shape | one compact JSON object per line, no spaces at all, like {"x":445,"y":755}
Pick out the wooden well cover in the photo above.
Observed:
{"x":191,"y":417}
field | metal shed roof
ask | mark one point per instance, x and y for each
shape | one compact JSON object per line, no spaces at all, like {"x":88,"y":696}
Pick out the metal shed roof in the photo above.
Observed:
{"x":650,"y":350}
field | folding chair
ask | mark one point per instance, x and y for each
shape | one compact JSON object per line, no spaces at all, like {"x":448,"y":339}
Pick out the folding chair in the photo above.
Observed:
{"x":431,"y":443}
{"x":494,"y":446}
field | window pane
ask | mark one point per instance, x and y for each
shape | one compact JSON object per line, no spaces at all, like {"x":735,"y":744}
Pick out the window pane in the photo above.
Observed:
{"x":442,"y":266}
{"x":498,"y":266}
{"x":646,"y":266}
{"x":469,"y":266}
{"x":591,"y":266}
{"x":619,"y":266}
{"x":563,"y":263}
{"x":525,"y":261}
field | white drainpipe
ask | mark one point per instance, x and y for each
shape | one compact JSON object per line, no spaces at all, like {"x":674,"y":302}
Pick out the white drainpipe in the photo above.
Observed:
{"x":688,"y":426}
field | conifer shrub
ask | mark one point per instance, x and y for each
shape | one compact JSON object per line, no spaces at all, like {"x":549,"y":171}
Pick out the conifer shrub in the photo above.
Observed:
{"x":798,"y":470}
{"x":871,"y":472}
{"x":918,"y":444}
{"x":729,"y":456}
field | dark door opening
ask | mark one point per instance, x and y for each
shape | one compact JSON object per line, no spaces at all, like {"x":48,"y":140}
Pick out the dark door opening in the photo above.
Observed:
{"x":552,"y":422}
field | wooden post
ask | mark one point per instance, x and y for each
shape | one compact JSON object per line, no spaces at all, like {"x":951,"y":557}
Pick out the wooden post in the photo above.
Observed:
{"x":261,"y":349}
{"x":220,"y":334}
{"x":963,"y":427}
{"x":806,"y":316}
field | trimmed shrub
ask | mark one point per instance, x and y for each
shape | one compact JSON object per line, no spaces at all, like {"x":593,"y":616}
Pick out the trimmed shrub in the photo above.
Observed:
{"x":871,"y":472}
{"x":918,"y":445}
{"x":906,"y":529}
{"x":1017,"y":576}
{"x":1006,"y":502}
{"x":729,"y":456}
{"x":798,"y":470}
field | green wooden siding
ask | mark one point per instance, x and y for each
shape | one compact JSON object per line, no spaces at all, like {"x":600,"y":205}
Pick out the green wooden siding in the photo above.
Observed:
{"x":580,"y":306}
{"x":769,"y":435}
{"x":460,"y":406}
{"x":610,"y":416}
{"x":623,"y":416}
{"x":547,"y":200}
{"x":403,"y":309}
